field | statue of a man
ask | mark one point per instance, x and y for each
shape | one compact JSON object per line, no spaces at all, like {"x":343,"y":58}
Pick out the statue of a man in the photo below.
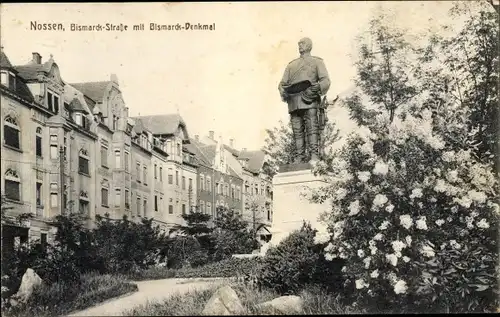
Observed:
{"x":304,"y":82}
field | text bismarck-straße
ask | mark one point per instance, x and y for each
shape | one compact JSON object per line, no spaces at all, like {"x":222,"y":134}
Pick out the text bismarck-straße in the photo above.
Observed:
{"x":120,"y":27}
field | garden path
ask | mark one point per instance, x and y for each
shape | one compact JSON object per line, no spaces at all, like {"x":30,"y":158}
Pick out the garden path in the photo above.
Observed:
{"x":148,"y":291}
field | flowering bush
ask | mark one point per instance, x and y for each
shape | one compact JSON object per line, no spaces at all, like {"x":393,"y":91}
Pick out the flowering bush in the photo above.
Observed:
{"x":418,"y":221}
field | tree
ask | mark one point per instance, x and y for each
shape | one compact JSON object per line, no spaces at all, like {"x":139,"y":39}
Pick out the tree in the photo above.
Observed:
{"x":280,"y":146}
{"x":196,"y":224}
{"x":410,"y":200}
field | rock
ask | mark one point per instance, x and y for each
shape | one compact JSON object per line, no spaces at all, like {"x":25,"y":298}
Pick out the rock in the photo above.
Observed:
{"x":284,"y":304}
{"x":224,"y":301}
{"x":29,"y":281}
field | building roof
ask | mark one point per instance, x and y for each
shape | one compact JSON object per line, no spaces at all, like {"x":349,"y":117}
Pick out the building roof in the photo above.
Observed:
{"x":235,"y":152}
{"x":255,"y":160}
{"x":163,"y":124}
{"x":76,"y":105}
{"x":94,"y":90}
{"x":21,"y":89}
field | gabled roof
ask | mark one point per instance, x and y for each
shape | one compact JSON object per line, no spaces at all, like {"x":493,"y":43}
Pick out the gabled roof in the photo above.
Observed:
{"x":31,"y":70}
{"x":21,"y":89}
{"x":93,"y":90}
{"x":76,"y":105}
{"x":255,"y":160}
{"x":163,"y":124}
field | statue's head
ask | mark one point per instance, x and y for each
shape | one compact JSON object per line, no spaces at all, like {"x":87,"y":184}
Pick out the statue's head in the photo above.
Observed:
{"x":305,"y":45}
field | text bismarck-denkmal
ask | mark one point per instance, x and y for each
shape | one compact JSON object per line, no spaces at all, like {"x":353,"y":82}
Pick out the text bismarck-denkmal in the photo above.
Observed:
{"x":120,"y":27}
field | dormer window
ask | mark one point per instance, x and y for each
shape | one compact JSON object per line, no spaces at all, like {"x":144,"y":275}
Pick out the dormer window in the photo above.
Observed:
{"x":8,"y":79}
{"x":53,"y":101}
{"x":78,"y":119}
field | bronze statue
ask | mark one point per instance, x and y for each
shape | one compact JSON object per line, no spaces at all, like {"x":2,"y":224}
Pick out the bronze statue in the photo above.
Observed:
{"x":304,"y":83}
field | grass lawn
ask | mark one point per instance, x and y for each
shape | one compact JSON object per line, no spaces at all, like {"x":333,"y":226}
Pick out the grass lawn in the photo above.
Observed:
{"x":63,"y":298}
{"x":192,"y":304}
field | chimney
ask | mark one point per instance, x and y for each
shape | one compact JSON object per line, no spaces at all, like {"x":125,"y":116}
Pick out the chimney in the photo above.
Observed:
{"x":211,"y":135}
{"x":37,"y":58}
{"x":197,"y":137}
{"x":231,"y":143}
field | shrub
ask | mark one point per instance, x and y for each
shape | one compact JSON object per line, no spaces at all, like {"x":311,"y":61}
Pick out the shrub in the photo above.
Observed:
{"x":296,"y":262}
{"x":62,"y":298}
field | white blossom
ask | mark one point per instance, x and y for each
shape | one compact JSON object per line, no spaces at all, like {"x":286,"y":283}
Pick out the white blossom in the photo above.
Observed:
{"x":406,"y":221}
{"x":408,"y":240}
{"x":476,"y":196}
{"x":421,"y":223}
{"x":452,"y":176}
{"x":361,"y":253}
{"x":483,"y":224}
{"x":439,"y":222}
{"x":416,"y":193}
{"x":448,"y":156}
{"x":329,"y":247}
{"x":341,"y":193}
{"x":389,"y":208}
{"x":364,"y":176}
{"x":465,"y":201}
{"x":378,"y":237}
{"x":384,"y":225}
{"x":392,"y":258}
{"x":379,"y":200}
{"x":427,"y":251}
{"x":367,"y":261}
{"x":374,"y":274}
{"x":397,"y":245}
{"x":455,"y":244}
{"x":380,"y":168}
{"x":361,"y":284}
{"x":406,"y":259}
{"x":354,"y":208}
{"x":400,"y":287}
{"x":329,"y":256}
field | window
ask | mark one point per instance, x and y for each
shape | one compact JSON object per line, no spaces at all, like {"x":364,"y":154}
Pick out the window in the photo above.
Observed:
{"x":12,"y":185}
{"x":65,"y":146}
{"x":209,"y":184}
{"x":145,"y":175}
{"x":161,"y":174}
{"x":156,"y":203}
{"x":138,"y":171}
{"x":209,"y":208}
{"x":83,"y":206}
{"x":217,"y":188}
{"x":156,"y":172}
{"x":161,"y":204}
{"x":38,"y":144}
{"x":115,"y":122}
{"x":78,"y":118}
{"x":178,"y":149}
{"x":56,"y":104}
{"x":118,"y":197}
{"x":183,"y":209}
{"x":183,"y":182}
{"x":145,"y":206}
{"x":53,"y":147}
{"x":233,"y":192}
{"x":83,"y":162}
{"x":170,"y":176}
{"x":138,"y":207}
{"x":11,"y":132}
{"x":38,"y":194}
{"x":190,"y":184}
{"x":53,"y":195}
{"x":177,"y":178}
{"x":170,"y":209}
{"x":268,"y":213}
{"x":9,"y":80}
{"x":202,"y":182}
{"x":127,"y":199}
{"x":105,"y":194}
{"x":202,"y":206}
{"x":126,"y":161}
{"x":104,"y":155}
{"x":118,"y":159}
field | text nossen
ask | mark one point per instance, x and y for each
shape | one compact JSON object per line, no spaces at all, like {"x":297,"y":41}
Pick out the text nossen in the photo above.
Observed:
{"x":46,"y":26}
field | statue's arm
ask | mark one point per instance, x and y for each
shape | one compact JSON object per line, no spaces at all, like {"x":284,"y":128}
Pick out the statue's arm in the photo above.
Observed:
{"x":283,"y":82}
{"x":323,"y":78}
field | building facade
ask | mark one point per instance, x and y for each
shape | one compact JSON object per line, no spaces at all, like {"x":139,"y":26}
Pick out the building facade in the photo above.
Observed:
{"x":73,"y":148}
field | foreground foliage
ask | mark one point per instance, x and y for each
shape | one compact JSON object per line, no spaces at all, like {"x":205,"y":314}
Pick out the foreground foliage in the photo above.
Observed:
{"x":64,"y":297}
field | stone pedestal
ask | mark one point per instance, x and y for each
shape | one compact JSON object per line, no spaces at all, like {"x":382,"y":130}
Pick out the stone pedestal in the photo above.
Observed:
{"x":290,"y":208}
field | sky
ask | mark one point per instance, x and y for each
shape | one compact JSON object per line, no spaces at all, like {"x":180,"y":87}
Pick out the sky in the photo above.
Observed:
{"x":224,"y":80}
